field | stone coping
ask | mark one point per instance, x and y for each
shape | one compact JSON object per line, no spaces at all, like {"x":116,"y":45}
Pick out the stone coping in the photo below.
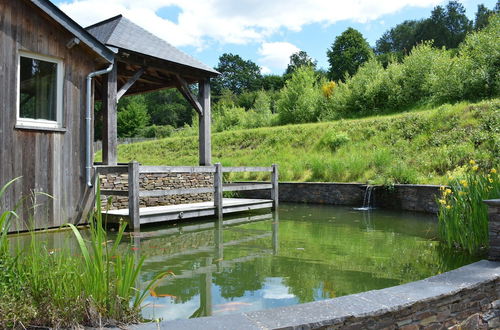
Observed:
{"x":492,"y":202}
{"x":335,"y":311}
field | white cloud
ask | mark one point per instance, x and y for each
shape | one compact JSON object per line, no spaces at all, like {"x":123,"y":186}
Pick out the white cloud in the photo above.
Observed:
{"x":276,"y":55}
{"x":265,"y":70}
{"x":230,"y":21}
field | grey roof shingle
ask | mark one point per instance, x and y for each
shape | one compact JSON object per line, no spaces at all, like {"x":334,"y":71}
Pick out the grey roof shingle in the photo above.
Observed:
{"x":120,"y":32}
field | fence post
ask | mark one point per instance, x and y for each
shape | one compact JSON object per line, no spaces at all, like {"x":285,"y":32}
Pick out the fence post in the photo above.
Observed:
{"x":274,"y":189}
{"x":218,"y":190}
{"x":494,"y":229}
{"x":133,"y":196}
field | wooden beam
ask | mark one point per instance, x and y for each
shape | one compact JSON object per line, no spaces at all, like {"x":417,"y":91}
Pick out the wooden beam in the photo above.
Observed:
{"x":133,"y":196}
{"x":204,"y":134}
{"x":218,"y":190}
{"x":129,"y":84}
{"x":109,"y":118}
{"x":139,"y":59}
{"x":275,"y":187}
{"x":183,"y":87}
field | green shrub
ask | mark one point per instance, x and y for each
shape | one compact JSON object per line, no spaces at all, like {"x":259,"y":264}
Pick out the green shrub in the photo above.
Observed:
{"x":157,"y":131}
{"x":463,"y":217}
{"x":332,"y":140}
{"x":480,"y":54}
{"x":298,"y":101}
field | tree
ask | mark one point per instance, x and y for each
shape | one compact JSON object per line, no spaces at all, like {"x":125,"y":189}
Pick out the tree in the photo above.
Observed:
{"x":168,"y":107}
{"x":347,"y":53}
{"x":237,"y":75}
{"x":446,"y":26}
{"x":272,"y":82}
{"x":133,"y":116}
{"x":399,"y":39}
{"x":482,"y":16}
{"x":299,"y":59}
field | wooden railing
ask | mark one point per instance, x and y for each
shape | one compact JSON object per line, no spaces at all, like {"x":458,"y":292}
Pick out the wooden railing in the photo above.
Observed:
{"x":134,"y":170}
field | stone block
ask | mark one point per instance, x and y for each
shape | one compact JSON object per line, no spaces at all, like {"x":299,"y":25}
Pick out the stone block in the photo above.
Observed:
{"x":428,"y":320}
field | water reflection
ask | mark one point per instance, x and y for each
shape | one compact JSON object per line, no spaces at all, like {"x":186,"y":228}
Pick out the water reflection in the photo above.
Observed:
{"x":298,"y":255}
{"x":200,"y":265}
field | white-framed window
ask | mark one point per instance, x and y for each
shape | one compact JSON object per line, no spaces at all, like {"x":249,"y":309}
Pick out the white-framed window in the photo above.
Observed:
{"x":39,"y":91}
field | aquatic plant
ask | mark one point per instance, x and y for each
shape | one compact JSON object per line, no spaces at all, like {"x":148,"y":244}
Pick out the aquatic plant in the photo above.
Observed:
{"x":57,"y":288}
{"x":109,"y":275}
{"x":463,"y":217}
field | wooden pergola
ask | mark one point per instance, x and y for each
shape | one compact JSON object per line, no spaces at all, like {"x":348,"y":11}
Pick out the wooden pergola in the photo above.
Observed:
{"x":145,"y":63}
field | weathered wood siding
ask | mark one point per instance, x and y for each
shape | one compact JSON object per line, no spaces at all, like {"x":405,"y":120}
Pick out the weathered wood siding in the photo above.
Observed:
{"x":49,"y":162}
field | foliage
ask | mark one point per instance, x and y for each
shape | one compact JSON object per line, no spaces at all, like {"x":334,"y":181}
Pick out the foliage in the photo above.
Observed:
{"x":332,"y":140}
{"x":463,"y":217}
{"x":447,"y":27}
{"x":482,"y":16}
{"x":272,"y":82}
{"x":55,"y":288}
{"x":426,"y":75}
{"x":347,"y":53}
{"x":480,"y":56}
{"x":157,"y":131}
{"x":132,"y":117}
{"x":399,"y":39}
{"x":297,"y":60}
{"x":419,"y":146}
{"x":237,"y":75}
{"x":168,"y":107}
{"x":298,"y":100}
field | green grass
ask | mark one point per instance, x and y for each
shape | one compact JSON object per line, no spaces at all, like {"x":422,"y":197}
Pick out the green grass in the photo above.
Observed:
{"x":421,"y":146}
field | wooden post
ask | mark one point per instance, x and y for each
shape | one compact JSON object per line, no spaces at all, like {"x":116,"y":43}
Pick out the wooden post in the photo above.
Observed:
{"x":219,"y":243}
{"x":133,"y":196}
{"x":204,"y":137}
{"x":276,"y":225}
{"x":109,"y":118}
{"x":218,"y":191}
{"x":494,"y":229}
{"x":274,"y":189}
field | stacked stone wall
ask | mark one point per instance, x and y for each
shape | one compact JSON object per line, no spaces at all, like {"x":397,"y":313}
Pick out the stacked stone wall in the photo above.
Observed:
{"x":164,"y":181}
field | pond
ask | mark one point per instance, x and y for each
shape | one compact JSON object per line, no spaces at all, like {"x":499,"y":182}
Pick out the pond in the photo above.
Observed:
{"x":300,"y":254}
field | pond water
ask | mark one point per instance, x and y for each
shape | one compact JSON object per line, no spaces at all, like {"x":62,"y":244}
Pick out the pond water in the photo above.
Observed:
{"x":300,"y":254}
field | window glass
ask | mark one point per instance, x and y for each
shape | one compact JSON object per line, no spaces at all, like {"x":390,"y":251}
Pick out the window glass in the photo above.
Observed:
{"x":38,"y":89}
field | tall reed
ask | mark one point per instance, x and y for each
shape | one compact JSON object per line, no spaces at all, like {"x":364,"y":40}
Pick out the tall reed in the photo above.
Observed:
{"x":463,"y":217}
{"x":56,"y":288}
{"x":110,"y":275}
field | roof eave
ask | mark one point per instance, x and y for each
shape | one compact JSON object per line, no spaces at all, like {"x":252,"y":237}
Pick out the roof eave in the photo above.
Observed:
{"x":59,"y":16}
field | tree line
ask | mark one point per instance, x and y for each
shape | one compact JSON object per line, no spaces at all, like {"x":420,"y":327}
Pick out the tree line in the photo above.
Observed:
{"x":244,"y":98}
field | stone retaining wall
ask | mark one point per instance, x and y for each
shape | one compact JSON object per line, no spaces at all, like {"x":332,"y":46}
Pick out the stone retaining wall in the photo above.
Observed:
{"x":408,"y":197}
{"x":465,"y":298}
{"x":159,"y":182}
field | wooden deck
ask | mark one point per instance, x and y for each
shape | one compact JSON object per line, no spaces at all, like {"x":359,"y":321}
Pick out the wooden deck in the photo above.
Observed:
{"x":193,"y":210}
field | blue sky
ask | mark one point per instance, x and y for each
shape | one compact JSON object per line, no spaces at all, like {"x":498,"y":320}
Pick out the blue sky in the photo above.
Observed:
{"x":264,"y":31}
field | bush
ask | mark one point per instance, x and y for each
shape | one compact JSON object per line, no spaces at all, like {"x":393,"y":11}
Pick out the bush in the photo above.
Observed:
{"x":480,"y":53}
{"x":332,"y":140}
{"x":299,"y":100}
{"x":157,"y":131}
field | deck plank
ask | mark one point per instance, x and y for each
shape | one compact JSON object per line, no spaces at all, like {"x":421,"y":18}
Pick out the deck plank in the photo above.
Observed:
{"x":182,"y":211}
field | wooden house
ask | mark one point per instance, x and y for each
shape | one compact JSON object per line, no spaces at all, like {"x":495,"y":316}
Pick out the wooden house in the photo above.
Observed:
{"x":51,"y":70}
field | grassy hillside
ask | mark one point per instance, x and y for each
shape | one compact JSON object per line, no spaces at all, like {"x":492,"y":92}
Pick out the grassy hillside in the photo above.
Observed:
{"x":423,"y":146}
